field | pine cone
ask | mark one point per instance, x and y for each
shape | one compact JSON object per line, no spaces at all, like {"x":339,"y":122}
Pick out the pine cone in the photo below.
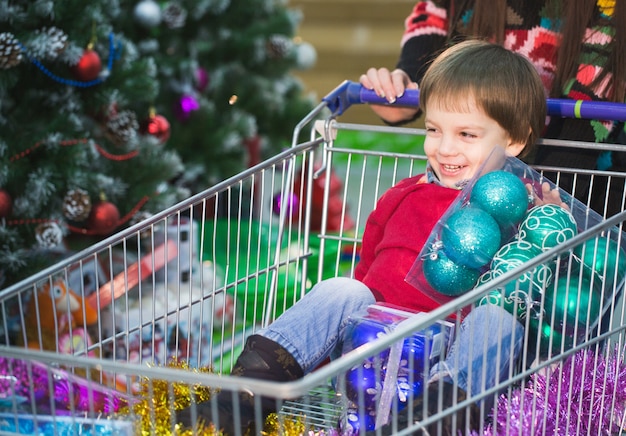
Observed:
{"x":174,"y":15}
{"x":139,"y":217}
{"x":122,"y":127}
{"x":49,"y":235}
{"x":10,"y":51}
{"x":279,"y":46}
{"x":76,"y":205}
{"x":55,"y":41}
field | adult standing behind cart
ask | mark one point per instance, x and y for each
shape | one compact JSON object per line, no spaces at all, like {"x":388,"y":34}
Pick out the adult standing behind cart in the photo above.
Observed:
{"x":577,"y":46}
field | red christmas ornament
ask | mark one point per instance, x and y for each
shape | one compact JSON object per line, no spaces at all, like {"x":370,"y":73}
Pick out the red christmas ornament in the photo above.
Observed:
{"x":335,"y":208}
{"x":104,"y":218}
{"x":6,"y":204}
{"x":89,"y":66}
{"x":157,"y":126}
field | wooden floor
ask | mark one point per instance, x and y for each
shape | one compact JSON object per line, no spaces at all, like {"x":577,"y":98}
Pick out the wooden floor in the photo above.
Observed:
{"x":350,"y":36}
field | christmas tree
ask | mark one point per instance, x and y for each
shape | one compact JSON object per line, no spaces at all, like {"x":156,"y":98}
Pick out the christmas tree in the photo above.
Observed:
{"x":111,"y":111}
{"x":226,"y":73}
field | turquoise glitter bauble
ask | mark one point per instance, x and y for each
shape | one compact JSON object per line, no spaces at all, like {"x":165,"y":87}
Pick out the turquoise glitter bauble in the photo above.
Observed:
{"x":470,"y":237}
{"x":602,"y":260}
{"x":574,"y":302}
{"x":447,"y":277}
{"x":547,"y":226}
{"x":502,"y":195}
{"x":514,"y":255}
{"x":516,"y":301}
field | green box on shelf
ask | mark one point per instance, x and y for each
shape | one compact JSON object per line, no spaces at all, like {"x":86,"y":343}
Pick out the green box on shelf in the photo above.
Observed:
{"x":244,"y":252}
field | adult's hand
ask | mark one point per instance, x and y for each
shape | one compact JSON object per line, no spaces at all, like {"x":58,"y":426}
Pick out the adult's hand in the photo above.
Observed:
{"x":390,"y":85}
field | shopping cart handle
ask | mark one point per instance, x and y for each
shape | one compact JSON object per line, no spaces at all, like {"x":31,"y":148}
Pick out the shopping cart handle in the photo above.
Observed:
{"x":349,"y":93}
{"x":586,"y":109}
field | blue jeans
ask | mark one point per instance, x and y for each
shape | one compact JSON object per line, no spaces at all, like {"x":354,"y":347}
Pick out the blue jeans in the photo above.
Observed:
{"x":485,"y":350}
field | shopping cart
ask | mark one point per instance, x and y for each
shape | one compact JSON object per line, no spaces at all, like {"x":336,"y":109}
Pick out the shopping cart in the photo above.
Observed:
{"x":176,"y":295}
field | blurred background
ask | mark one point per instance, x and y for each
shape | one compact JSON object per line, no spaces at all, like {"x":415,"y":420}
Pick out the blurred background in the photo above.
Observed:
{"x":349,"y":37}
{"x":112,"y":112}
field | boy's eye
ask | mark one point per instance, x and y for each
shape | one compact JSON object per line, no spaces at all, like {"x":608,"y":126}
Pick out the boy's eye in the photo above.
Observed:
{"x":468,"y":135}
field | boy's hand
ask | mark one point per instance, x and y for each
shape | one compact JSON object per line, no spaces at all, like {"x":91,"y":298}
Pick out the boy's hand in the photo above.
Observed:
{"x":548,"y":196}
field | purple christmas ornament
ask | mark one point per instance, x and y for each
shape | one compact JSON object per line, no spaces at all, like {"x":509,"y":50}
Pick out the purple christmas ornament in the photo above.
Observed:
{"x":201,"y":79}
{"x":291,"y":203}
{"x":185,"y":106}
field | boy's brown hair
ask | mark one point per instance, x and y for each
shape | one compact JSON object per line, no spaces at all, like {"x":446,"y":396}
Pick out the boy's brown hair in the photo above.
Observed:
{"x":505,"y":85}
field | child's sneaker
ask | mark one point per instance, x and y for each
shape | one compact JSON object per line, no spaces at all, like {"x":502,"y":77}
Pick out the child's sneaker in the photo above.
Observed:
{"x":262,"y":359}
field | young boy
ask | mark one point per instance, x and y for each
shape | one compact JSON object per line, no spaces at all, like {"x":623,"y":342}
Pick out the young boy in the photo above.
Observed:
{"x":476,"y":96}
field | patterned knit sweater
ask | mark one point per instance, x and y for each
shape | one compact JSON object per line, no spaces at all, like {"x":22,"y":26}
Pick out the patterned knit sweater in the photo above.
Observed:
{"x":532,"y":29}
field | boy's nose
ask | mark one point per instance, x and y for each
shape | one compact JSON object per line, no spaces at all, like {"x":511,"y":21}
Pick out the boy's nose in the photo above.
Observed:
{"x":447,"y":146}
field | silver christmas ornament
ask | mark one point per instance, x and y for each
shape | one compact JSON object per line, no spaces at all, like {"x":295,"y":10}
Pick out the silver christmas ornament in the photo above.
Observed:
{"x":147,"y":13}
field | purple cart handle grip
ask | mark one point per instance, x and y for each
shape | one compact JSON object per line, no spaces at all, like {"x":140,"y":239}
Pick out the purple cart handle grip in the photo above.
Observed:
{"x":349,"y":93}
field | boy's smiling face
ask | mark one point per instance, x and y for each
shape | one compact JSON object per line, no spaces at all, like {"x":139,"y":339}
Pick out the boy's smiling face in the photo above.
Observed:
{"x":459,"y":140}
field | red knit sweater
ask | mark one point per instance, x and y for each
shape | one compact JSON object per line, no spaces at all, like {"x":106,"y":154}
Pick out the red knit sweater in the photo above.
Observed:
{"x":395,"y":233}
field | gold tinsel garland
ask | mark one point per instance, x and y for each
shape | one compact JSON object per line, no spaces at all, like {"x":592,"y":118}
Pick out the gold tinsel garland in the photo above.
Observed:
{"x":157,"y":399}
{"x":285,"y":426}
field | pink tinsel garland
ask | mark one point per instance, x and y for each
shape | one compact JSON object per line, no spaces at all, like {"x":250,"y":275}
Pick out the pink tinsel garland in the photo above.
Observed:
{"x":25,"y":384}
{"x":584,"y":395}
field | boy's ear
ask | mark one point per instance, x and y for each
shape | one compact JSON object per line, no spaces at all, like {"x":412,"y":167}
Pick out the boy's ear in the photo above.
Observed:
{"x":515,"y":148}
